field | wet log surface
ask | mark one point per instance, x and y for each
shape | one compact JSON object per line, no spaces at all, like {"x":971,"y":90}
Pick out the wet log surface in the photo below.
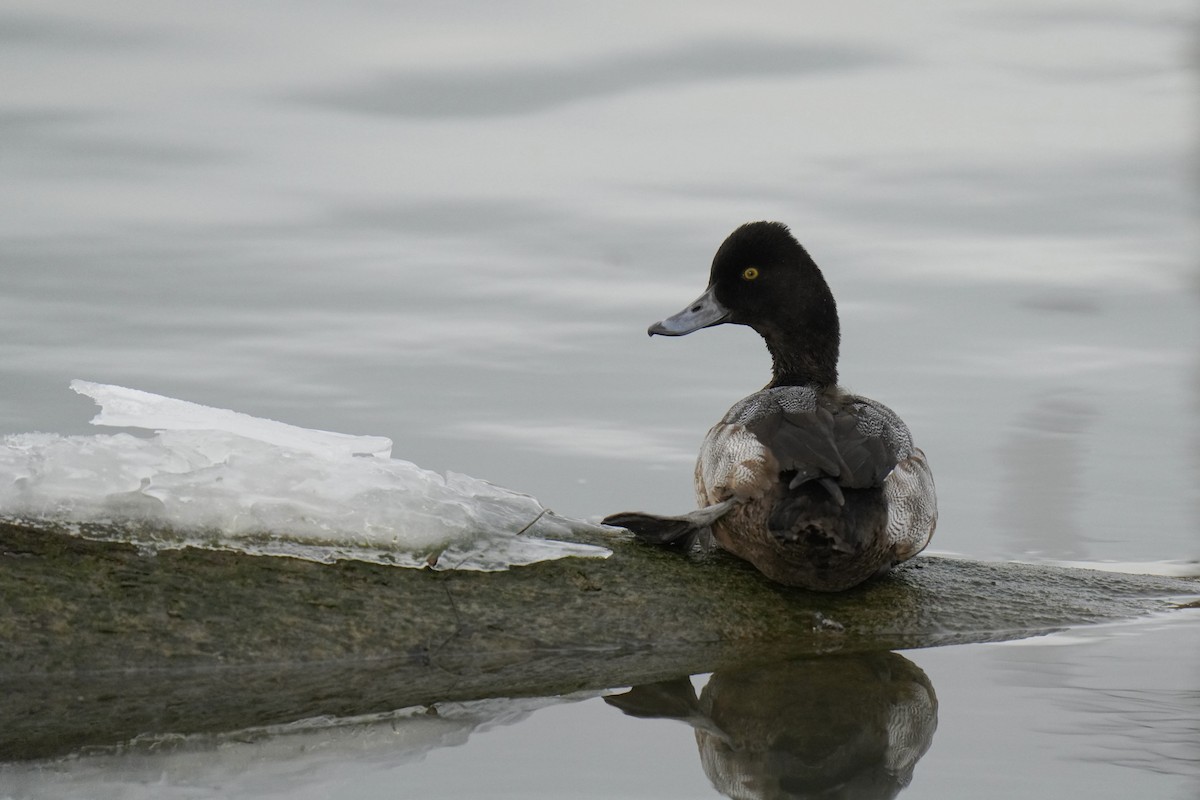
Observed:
{"x":100,"y":642}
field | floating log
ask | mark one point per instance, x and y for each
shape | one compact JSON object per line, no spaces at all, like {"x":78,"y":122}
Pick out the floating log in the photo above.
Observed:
{"x":101,"y":642}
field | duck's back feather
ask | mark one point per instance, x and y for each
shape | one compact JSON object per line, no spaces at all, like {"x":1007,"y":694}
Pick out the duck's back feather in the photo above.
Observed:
{"x":808,"y":436}
{"x":817,"y":444}
{"x":815,"y":472}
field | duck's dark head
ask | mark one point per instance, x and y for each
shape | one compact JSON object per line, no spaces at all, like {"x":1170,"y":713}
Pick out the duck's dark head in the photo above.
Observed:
{"x":763,"y":278}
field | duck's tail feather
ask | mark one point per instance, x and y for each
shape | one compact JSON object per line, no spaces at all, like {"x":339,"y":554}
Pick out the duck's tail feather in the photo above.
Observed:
{"x":673,"y":699}
{"x":653,"y":528}
{"x":682,"y":530}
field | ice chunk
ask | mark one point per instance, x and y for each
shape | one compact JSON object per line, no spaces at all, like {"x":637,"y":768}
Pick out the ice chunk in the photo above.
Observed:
{"x":217,"y":478}
{"x":133,"y":408}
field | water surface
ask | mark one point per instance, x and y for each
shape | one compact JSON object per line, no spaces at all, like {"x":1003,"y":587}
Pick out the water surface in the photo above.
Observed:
{"x":451,"y":225}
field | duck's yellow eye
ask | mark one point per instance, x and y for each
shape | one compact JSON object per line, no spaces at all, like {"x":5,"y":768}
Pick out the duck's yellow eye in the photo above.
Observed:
{"x":750,"y":273}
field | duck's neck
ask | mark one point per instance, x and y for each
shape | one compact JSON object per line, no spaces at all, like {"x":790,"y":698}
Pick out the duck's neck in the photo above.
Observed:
{"x":792,"y":369}
{"x":805,"y":354}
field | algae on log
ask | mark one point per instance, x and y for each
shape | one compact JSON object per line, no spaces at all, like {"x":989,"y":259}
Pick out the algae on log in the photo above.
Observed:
{"x":100,"y":642}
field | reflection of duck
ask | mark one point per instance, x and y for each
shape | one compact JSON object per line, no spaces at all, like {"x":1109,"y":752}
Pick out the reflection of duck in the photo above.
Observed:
{"x":814,"y":486}
{"x":829,"y":727}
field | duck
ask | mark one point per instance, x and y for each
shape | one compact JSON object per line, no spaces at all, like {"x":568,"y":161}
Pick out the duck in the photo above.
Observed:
{"x":815,"y":486}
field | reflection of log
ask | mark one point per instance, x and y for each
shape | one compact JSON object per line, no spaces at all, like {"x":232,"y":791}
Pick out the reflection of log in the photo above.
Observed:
{"x":99,"y":643}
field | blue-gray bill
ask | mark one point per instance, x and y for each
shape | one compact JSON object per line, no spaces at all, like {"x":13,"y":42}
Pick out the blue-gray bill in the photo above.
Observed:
{"x":703,"y":312}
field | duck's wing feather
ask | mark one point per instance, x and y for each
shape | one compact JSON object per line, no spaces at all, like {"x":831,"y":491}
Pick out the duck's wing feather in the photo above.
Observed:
{"x":819,"y":444}
{"x":834,"y":466}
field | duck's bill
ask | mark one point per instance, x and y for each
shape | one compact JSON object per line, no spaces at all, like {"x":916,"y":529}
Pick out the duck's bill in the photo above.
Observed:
{"x":703,"y":312}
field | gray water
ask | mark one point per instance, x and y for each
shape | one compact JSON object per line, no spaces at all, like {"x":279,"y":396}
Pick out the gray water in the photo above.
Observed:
{"x":450,"y":224}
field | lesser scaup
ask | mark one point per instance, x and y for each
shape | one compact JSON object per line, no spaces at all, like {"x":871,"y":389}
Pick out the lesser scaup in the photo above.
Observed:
{"x":814,"y":486}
